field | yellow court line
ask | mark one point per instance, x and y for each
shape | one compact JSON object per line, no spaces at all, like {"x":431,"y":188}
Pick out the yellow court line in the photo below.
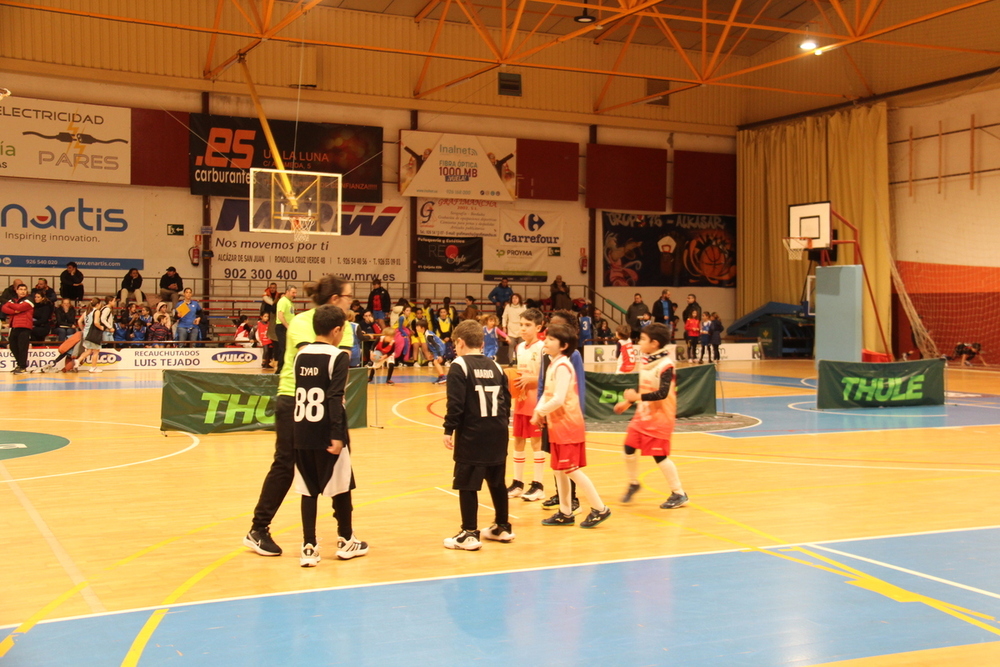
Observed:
{"x":141,"y":639}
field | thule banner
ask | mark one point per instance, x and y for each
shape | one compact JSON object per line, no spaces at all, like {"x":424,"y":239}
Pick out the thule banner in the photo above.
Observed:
{"x":867,"y":385}
{"x":695,"y":393}
{"x":198,"y":402}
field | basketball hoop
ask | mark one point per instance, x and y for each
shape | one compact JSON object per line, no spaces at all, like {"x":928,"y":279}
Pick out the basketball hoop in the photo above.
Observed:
{"x":797,"y":246}
{"x":301,"y":226}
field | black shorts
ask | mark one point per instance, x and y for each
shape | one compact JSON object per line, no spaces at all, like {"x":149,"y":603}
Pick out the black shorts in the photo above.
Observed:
{"x":314,"y":470}
{"x":470,"y":477}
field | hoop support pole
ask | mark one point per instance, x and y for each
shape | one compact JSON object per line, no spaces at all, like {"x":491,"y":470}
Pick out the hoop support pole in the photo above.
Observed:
{"x":864,"y":270}
{"x":286,"y":184}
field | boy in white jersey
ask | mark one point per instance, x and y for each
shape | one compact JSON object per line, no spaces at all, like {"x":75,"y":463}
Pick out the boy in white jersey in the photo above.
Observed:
{"x":652,"y":426}
{"x":524,"y":389}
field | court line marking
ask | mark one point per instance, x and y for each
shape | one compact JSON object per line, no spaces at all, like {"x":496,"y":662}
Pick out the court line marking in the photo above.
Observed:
{"x":746,"y":549}
{"x":195,"y":442}
{"x":492,"y":509}
{"x":913,"y":572}
{"x":860,"y":412}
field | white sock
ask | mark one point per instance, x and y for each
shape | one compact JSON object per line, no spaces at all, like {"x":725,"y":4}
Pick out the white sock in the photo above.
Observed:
{"x":518,"y":466}
{"x":632,"y":468}
{"x":539,"y":466}
{"x":562,"y":486}
{"x":587,"y":488}
{"x":669,"y":471}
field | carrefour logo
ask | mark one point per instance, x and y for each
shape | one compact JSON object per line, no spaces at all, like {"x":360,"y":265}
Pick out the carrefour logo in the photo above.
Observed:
{"x":234,"y":357}
{"x":531,"y":222}
{"x":89,"y":218}
{"x":108,"y":358}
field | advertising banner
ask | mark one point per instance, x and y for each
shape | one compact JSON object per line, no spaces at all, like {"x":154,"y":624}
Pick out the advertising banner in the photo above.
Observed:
{"x":202,"y":403}
{"x":449,"y":255}
{"x":695,"y":393}
{"x":845,"y":384}
{"x":45,"y":225}
{"x":373,"y":244}
{"x":524,"y":245}
{"x":149,"y":357}
{"x":458,"y":217}
{"x":459,"y":166}
{"x":675,"y":250}
{"x":65,"y":141}
{"x":224,"y":148}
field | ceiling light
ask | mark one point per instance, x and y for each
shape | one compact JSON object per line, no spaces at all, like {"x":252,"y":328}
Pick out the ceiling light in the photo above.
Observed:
{"x":584,"y":17}
{"x":808,"y":45}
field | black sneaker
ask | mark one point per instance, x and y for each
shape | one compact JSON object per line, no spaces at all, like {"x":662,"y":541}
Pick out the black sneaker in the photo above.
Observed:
{"x":576,"y":506}
{"x":261,"y":542}
{"x":559,"y":519}
{"x":467,"y":540}
{"x":674,"y":501}
{"x":515,"y":489}
{"x":552,"y":503}
{"x":499,"y":532}
{"x":18,"y":370}
{"x":595,"y":518}
{"x":630,"y":492}
{"x":535,"y":492}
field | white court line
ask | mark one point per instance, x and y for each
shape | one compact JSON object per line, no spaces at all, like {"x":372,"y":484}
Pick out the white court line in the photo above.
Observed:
{"x":179,"y":605}
{"x":913,"y":572}
{"x":75,"y":575}
{"x":827,"y":465}
{"x":878,"y":414}
{"x":195,"y":442}
{"x":492,"y":509}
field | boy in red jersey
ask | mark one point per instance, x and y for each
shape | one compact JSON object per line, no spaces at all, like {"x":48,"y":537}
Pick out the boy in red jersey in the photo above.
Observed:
{"x":652,"y":426}
{"x":529,"y":362}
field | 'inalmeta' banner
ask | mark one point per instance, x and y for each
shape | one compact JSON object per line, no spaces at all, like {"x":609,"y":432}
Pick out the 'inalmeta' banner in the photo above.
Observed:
{"x":869,"y":385}
{"x":695,"y":393}
{"x":199,"y":402}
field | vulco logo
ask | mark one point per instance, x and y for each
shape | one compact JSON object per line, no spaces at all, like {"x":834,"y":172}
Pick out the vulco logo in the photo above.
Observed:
{"x":108,"y":358}
{"x":234,"y":357}
{"x":86,"y":217}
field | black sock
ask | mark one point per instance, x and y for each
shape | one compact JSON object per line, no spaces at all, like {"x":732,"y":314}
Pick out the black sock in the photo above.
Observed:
{"x":389,"y":374}
{"x":468,"y":501}
{"x":343,"y":510}
{"x":499,"y":495}
{"x":309,"y":520}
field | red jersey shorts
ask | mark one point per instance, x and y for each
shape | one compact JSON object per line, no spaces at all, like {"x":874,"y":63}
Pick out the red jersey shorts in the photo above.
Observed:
{"x":523,"y":428}
{"x":647,"y":444}
{"x":568,"y":456}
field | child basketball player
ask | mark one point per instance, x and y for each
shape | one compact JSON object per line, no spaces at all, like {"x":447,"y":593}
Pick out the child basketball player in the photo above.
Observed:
{"x":564,"y":419}
{"x":652,"y":426}
{"x":322,"y":443}
{"x":475,"y":428}
{"x":435,"y":349}
{"x":626,"y":350}
{"x":529,"y":363}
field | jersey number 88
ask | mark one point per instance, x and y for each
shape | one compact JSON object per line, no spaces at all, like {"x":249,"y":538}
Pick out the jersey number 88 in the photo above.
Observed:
{"x":309,"y":404}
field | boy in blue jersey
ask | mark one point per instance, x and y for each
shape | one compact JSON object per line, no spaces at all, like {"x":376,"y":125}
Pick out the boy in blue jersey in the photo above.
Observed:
{"x":436,"y":347}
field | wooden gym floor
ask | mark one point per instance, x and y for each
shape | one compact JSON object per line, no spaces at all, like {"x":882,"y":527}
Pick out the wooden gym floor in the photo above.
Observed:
{"x":869,"y":537}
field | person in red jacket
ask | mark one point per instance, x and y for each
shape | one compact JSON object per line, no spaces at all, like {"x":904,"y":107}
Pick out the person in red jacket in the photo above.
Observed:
{"x":20,"y":310}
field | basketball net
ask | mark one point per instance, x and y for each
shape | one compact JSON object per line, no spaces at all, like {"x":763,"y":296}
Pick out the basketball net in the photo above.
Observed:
{"x":796,"y":246}
{"x":301,"y":226}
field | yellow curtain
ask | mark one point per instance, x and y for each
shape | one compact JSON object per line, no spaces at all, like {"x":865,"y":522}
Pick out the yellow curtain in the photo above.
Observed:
{"x":842,"y":158}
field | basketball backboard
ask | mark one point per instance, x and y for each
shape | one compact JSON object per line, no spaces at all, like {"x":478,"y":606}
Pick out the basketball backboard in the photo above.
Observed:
{"x":294,"y":198}
{"x":810,"y":221}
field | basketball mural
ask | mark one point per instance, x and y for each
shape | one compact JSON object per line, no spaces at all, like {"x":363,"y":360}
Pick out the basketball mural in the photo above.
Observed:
{"x":675,"y":250}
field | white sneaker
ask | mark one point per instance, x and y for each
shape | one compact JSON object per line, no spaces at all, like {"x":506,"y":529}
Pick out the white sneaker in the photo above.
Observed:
{"x":467,"y":540}
{"x":347,"y":549}
{"x":309,"y":556}
{"x":499,"y":533}
{"x":95,"y":369}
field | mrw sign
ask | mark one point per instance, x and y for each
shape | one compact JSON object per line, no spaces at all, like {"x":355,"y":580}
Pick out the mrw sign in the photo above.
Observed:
{"x":867,"y":385}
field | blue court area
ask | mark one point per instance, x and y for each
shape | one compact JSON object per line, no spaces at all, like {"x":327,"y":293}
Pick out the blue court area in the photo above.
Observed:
{"x":799,"y":605}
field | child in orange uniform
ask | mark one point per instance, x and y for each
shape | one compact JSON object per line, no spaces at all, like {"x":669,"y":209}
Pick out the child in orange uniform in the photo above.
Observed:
{"x":529,"y":362}
{"x":652,"y":426}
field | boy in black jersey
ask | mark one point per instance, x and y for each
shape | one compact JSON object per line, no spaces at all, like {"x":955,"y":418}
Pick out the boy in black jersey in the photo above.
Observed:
{"x":475,"y":427}
{"x":322,"y":443}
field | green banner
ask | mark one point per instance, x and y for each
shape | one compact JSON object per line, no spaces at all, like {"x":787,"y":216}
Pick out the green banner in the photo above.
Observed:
{"x":867,"y":385}
{"x":695,"y":393}
{"x":200,"y":402}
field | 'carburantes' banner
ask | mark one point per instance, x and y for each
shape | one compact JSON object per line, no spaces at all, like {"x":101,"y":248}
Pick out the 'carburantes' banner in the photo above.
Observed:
{"x":224,"y":148}
{"x":868,"y":385}
{"x":65,"y":141}
{"x":449,"y":255}
{"x":199,"y":402}
{"x":695,"y":393}
{"x":676,"y":250}
{"x":457,"y":166}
